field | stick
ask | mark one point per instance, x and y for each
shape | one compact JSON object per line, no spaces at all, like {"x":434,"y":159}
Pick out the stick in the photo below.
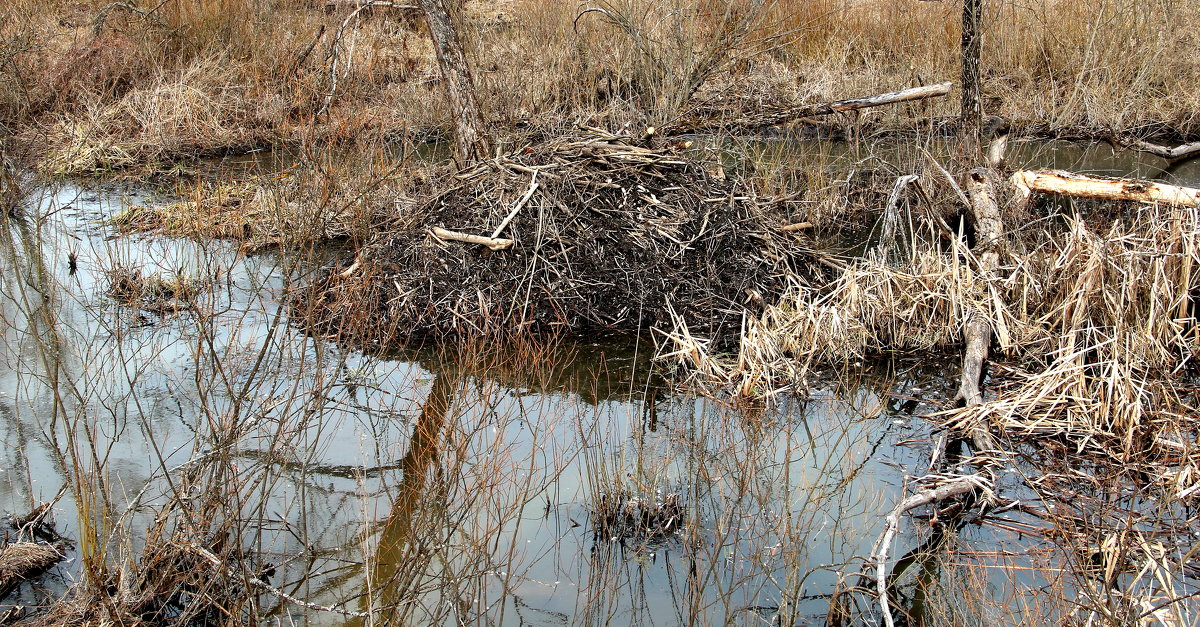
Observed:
{"x":798,"y":226}
{"x":533,"y":185}
{"x":491,"y":242}
{"x":1084,"y":186}
{"x":333,"y":4}
{"x":891,"y":215}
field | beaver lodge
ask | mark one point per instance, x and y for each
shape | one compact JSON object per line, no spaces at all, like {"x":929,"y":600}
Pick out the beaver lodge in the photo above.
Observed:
{"x":589,"y":232}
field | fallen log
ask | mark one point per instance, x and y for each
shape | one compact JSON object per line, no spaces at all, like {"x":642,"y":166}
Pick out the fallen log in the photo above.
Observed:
{"x":978,"y":333}
{"x":1178,"y":153}
{"x":1085,"y":186}
{"x":494,"y":243}
{"x":789,"y":114}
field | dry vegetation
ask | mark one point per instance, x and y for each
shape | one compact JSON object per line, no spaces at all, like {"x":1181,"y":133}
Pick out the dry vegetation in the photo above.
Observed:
{"x":609,"y":235}
{"x":1093,"y":309}
{"x":90,"y":85}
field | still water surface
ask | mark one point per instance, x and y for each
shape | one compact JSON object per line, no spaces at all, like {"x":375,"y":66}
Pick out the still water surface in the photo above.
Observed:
{"x":449,"y":486}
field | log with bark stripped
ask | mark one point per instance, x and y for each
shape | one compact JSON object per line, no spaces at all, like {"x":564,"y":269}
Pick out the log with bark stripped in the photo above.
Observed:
{"x":1103,"y":188}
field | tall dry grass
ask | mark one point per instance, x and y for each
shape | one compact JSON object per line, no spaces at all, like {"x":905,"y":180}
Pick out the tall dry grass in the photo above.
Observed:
{"x":199,"y":77}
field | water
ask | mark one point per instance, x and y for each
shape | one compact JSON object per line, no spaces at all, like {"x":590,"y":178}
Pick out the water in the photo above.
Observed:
{"x":446,"y":486}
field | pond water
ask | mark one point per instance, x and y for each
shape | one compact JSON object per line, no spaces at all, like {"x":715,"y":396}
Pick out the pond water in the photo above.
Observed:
{"x":517,"y":485}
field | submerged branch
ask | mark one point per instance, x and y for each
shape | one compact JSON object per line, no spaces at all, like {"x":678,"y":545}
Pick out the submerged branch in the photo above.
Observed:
{"x":1178,"y":153}
{"x":957,"y":486}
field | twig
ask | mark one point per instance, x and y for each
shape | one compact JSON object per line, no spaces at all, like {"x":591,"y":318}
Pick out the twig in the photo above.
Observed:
{"x":102,"y":16}
{"x":533,"y":185}
{"x":303,"y":56}
{"x":333,"y":55}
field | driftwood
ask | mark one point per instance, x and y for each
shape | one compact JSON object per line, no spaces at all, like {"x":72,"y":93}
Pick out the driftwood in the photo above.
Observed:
{"x":782,"y":116}
{"x":1103,"y":188}
{"x":977,"y":333}
{"x":946,"y":488}
{"x":494,"y":243}
{"x":1178,"y":153}
{"x":382,"y":4}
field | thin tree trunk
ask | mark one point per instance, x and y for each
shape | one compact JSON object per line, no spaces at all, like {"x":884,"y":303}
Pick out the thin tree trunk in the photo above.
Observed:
{"x":471,"y":142}
{"x":972,"y":48}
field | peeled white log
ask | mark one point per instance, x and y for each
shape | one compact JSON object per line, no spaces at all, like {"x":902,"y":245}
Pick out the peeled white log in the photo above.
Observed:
{"x":1085,"y":186}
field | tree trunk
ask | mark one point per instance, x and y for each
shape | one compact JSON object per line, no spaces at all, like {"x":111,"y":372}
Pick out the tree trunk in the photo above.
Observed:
{"x":972,"y":48}
{"x":471,"y":141}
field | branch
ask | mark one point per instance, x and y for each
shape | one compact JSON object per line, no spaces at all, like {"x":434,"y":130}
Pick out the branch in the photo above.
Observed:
{"x":1178,"y":153}
{"x":494,"y":243}
{"x":957,"y":486}
{"x":1085,"y":186}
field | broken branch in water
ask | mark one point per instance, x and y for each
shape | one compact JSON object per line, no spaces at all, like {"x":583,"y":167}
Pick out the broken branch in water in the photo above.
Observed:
{"x":956,"y":486}
{"x":789,"y":114}
{"x":1178,"y":153}
{"x":494,"y":243}
{"x":1103,"y":188}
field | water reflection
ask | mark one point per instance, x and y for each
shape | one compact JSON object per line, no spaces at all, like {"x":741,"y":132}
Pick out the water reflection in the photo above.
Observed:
{"x":431,"y":487}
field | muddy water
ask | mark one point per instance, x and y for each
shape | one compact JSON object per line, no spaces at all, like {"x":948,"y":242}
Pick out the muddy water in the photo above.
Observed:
{"x":436,"y":487}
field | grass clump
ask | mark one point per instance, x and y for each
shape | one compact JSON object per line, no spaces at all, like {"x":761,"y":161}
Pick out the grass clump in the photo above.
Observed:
{"x":152,"y":292}
{"x":293,"y":208}
{"x":21,"y":561}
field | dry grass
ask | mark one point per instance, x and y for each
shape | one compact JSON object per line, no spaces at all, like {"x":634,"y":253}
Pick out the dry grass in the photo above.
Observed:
{"x":152,"y":292}
{"x":20,"y":561}
{"x":199,"y":78}
{"x":1112,"y":325}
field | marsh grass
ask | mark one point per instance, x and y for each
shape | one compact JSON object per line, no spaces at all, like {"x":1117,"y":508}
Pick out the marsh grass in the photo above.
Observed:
{"x":153,"y":292}
{"x":200,"y":78}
